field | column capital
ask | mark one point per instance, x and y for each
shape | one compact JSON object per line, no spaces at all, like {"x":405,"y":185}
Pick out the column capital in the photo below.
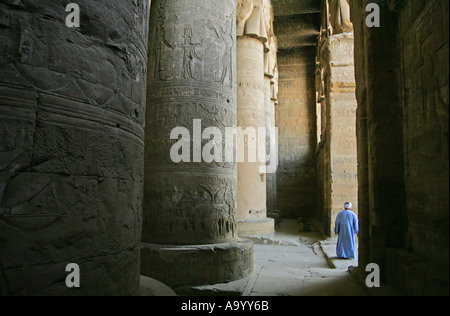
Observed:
{"x":253,"y":18}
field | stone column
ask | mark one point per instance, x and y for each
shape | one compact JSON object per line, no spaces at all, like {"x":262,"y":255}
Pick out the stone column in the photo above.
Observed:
{"x":271,"y":141}
{"x":337,"y":149}
{"x":268,"y":105}
{"x":340,"y":16}
{"x":341,"y":103}
{"x":190,"y":229}
{"x":252,"y":209}
{"x":72,"y":103}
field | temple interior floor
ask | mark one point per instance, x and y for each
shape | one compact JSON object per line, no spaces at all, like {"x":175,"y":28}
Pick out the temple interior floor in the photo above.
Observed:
{"x":297,"y":265}
{"x":290,"y":263}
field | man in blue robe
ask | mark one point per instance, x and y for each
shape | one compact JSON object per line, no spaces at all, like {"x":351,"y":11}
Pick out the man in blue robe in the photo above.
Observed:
{"x":346,"y":227}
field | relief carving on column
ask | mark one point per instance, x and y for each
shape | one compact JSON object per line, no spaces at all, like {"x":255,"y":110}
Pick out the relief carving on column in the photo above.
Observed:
{"x":160,"y":41}
{"x":270,"y":48}
{"x":189,"y":53}
{"x":185,"y":47}
{"x":192,"y":201}
{"x":275,"y":85}
{"x":273,"y":68}
{"x":250,"y":18}
{"x":340,"y":16}
{"x":270,"y":58}
{"x":226,"y":61}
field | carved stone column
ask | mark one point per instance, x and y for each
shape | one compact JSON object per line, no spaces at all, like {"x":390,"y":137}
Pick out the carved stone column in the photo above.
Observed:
{"x":272,"y":141}
{"x":190,"y":228}
{"x":252,"y":209}
{"x":72,"y":104}
{"x":340,"y":16}
{"x":336,"y":85}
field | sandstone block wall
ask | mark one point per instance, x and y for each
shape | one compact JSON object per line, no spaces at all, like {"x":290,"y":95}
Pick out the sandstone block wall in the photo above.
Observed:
{"x":296,"y":27}
{"x":295,"y":119}
{"x":424,"y":81}
{"x":402,"y":128}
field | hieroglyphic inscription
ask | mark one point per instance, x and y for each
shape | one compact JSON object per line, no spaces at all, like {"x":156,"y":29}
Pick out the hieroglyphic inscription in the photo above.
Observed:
{"x":190,"y":203}
{"x":189,"y":46}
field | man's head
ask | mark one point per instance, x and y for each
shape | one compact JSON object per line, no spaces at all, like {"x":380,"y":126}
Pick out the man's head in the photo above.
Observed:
{"x":348,"y":205}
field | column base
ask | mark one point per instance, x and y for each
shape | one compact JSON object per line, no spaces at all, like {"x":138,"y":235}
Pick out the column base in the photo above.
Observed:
{"x":265,"y":226}
{"x":197,"y":264}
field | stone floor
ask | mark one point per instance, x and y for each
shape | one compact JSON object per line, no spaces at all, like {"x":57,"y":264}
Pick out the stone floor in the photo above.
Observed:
{"x":293,"y":263}
{"x":301,"y":264}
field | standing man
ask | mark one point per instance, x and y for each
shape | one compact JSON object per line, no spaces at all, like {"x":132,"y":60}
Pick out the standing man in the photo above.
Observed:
{"x":346,"y":227}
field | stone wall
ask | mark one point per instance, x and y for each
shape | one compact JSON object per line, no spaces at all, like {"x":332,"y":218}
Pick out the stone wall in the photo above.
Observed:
{"x":424,"y":76}
{"x":295,"y":119}
{"x":402,"y":128}
{"x":296,"y":32}
{"x":72,"y":104}
{"x":424,"y":53}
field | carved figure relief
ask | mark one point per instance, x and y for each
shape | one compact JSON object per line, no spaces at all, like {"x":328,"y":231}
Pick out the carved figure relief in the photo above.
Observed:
{"x":244,"y":9}
{"x":198,"y":46}
{"x":251,"y":19}
{"x":160,"y":41}
{"x":186,"y":48}
{"x":226,"y":62}
{"x":340,"y":16}
{"x":189,"y":54}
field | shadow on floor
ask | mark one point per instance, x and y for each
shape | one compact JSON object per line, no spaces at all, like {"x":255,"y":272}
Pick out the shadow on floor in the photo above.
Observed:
{"x":299,"y":263}
{"x":293,"y":262}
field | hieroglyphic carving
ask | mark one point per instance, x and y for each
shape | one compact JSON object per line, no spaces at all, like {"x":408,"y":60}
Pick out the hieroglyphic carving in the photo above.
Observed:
{"x":188,"y":47}
{"x":189,"y":54}
{"x":194,"y":203}
{"x":71,"y":146}
{"x":159,"y":40}
{"x":227,"y":58}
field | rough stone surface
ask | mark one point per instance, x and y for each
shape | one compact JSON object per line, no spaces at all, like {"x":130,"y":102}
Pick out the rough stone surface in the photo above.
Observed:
{"x":178,"y":266}
{"x":251,"y":106}
{"x":295,"y":116}
{"x":152,"y":287}
{"x":72,"y":117}
{"x":402,"y":128}
{"x":269,"y":114}
{"x":252,"y":96}
{"x":296,"y":25}
{"x":192,"y":75}
{"x":256,"y":227}
{"x":72,"y":105}
{"x":271,"y":101}
{"x":336,"y":152}
{"x":296,"y":266}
